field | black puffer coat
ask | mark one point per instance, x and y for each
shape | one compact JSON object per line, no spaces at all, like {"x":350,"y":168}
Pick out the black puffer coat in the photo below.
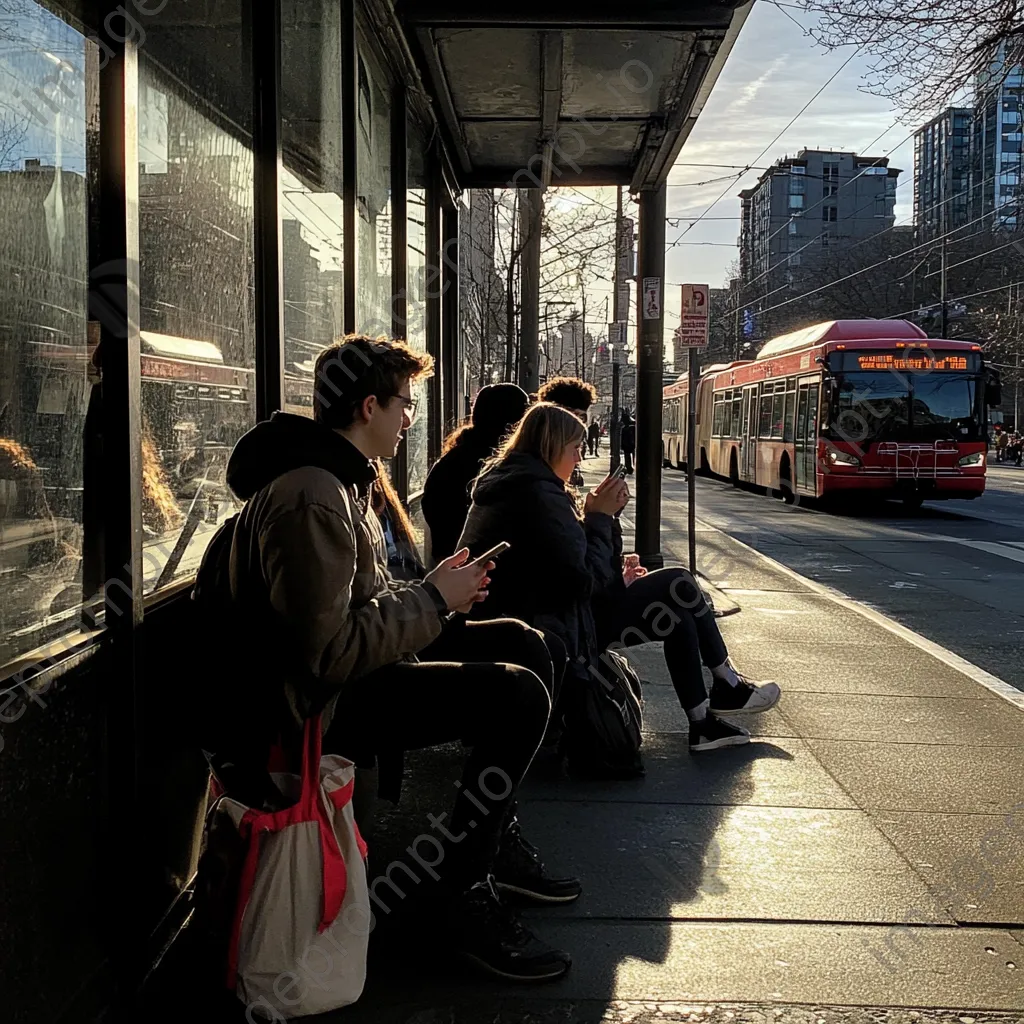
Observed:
{"x":557,"y":562}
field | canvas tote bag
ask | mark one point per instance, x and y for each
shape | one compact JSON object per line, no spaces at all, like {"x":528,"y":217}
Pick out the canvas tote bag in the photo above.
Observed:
{"x":302,"y":917}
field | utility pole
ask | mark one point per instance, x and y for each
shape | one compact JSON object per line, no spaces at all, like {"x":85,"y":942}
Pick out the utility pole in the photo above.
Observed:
{"x":583,"y":325}
{"x":531,"y":212}
{"x":1016,"y":397}
{"x":944,"y":331}
{"x":618,"y":316}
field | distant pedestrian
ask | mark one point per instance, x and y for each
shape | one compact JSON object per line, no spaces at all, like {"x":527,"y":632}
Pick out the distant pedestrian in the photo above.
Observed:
{"x":1001,"y":441}
{"x":594,"y":437}
{"x":628,"y":441}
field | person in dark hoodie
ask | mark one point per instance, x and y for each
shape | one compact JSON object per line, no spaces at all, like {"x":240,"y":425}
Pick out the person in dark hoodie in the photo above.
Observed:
{"x":446,"y":498}
{"x":558,"y":556}
{"x":373,"y":653}
{"x":565,"y":573}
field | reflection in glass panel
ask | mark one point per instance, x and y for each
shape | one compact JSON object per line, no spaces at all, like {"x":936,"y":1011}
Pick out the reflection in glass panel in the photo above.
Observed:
{"x":417,"y":455}
{"x":44,"y":380}
{"x":196,"y":292}
{"x":312,"y":214}
{"x":373,"y":201}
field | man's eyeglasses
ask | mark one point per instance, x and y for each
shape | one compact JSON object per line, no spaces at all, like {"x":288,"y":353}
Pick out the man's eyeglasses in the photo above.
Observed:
{"x":409,"y":404}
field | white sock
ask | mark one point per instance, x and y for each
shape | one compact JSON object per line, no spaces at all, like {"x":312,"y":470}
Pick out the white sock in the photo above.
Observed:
{"x":726,"y":672}
{"x":699,"y":713}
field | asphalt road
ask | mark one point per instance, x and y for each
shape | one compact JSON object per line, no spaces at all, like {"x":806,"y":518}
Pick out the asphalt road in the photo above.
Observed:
{"x":953,"y":571}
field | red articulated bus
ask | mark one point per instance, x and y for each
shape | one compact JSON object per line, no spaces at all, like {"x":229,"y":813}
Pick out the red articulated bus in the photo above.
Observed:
{"x":868,"y":407}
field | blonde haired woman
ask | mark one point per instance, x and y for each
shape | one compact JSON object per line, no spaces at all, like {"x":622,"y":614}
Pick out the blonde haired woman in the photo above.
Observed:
{"x":565,"y":564}
{"x":559,"y":553}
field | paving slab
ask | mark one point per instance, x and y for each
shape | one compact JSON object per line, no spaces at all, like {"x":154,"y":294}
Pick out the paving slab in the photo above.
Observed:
{"x":798,"y":666}
{"x":734,"y":863}
{"x":624,"y":1011}
{"x":965,"y":722}
{"x":973,"y":863}
{"x":655,"y":963}
{"x":925,"y":777}
{"x":783,"y":618}
{"x":766,"y":773}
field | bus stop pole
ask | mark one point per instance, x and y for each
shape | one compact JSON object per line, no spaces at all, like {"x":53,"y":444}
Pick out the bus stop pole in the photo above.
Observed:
{"x":691,"y":462}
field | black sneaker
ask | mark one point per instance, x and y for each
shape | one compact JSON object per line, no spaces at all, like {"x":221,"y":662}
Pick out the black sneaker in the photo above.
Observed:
{"x":519,"y":870}
{"x":745,"y":698}
{"x":712,"y":733}
{"x":490,"y":936}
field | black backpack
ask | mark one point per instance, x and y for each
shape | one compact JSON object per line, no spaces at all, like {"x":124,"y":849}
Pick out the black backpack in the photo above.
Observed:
{"x":604,"y":720}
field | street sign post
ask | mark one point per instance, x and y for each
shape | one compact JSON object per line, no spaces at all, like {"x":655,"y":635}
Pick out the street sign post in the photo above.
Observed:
{"x":692,"y":333}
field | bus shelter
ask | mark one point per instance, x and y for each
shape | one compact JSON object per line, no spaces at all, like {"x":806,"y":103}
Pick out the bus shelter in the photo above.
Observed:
{"x":199,"y":197}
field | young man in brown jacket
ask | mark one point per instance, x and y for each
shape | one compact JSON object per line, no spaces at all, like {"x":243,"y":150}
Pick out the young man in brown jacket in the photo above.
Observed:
{"x":379,"y":657}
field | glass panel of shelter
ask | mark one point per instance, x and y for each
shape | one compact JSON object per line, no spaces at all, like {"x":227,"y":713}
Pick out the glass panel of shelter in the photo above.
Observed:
{"x":417,"y":437}
{"x":196,"y":289}
{"x":312,"y":210}
{"x":46,"y":375}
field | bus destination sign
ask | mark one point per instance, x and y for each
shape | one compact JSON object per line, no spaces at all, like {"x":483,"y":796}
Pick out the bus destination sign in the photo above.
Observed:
{"x":916,"y":360}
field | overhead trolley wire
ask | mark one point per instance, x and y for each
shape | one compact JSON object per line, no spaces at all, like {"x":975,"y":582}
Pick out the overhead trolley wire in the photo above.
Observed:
{"x":792,"y":121}
{"x":831,"y":284}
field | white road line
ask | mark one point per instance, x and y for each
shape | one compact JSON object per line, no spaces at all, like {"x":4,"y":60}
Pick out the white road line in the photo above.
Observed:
{"x":954,"y":661}
{"x":1014,"y":553}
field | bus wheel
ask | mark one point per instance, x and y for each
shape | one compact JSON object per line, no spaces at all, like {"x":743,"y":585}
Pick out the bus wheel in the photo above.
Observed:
{"x":705,"y":466}
{"x":734,"y":469}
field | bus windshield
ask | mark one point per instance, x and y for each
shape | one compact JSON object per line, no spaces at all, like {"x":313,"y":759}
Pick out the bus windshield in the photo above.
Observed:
{"x":882,"y":405}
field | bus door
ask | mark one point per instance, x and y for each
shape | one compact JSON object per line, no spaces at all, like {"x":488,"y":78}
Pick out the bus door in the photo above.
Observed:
{"x":748,"y":467}
{"x":806,"y":434}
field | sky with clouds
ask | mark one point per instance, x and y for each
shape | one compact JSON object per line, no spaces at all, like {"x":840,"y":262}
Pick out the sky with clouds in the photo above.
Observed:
{"x":773,"y":70}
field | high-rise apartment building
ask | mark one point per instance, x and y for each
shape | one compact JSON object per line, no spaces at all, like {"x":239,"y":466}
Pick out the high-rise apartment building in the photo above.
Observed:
{"x":997,"y":141}
{"x":943,"y":165}
{"x":967,"y":161}
{"x":805,"y":204}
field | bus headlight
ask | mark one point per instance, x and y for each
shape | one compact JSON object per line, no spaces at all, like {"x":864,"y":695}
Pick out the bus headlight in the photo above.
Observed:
{"x":842,"y":458}
{"x":977,"y":459}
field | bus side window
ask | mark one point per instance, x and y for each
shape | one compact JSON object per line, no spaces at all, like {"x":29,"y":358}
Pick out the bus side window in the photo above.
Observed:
{"x":764,"y":428}
{"x":787,"y":419}
{"x":777,"y":409}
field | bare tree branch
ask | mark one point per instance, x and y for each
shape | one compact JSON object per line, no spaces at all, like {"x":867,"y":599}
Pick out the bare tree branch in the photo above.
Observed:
{"x":923,"y":53}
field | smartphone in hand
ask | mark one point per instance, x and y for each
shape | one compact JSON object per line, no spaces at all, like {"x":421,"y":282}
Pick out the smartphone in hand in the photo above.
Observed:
{"x":488,"y":556}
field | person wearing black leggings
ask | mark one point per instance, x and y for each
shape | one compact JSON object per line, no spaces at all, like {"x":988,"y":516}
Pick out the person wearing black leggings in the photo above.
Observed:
{"x":638,"y":615}
{"x":564,"y":574}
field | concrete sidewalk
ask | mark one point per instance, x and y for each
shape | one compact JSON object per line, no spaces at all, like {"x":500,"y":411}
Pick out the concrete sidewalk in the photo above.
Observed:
{"x":865,"y":851}
{"x":861,"y":860}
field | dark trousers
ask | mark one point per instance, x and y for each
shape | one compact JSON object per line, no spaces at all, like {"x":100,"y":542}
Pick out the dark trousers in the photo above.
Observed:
{"x":485,"y":683}
{"x":669,"y":605}
{"x":627,"y":457}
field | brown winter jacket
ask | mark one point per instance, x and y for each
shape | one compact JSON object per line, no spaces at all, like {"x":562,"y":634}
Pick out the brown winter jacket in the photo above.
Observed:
{"x":307,"y":544}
